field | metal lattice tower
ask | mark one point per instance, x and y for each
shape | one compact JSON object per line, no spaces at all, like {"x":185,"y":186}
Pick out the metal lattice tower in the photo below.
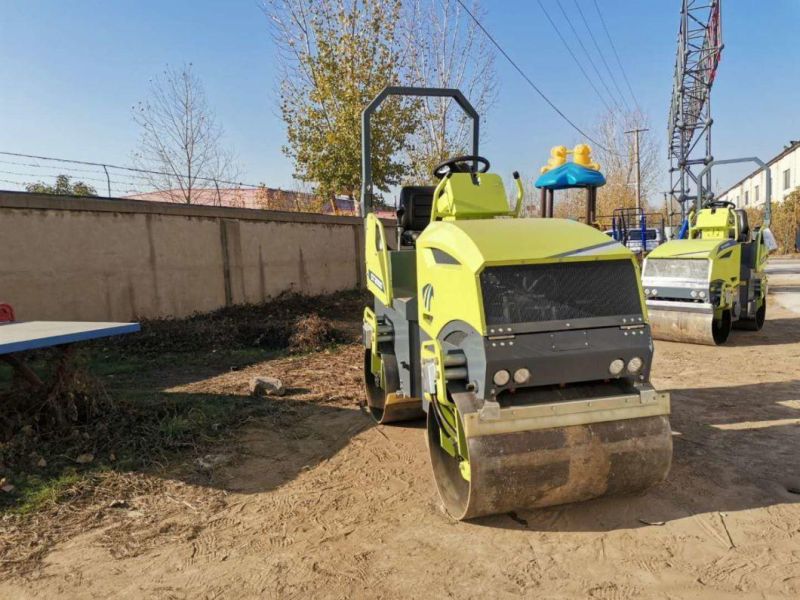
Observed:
{"x":689,"y":136}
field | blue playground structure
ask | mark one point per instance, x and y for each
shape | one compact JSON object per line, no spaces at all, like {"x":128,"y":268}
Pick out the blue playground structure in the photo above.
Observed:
{"x":639,"y":231}
{"x":561,"y":175}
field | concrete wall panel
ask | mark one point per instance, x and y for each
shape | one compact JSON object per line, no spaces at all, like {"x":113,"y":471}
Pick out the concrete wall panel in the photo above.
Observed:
{"x":97,"y":259}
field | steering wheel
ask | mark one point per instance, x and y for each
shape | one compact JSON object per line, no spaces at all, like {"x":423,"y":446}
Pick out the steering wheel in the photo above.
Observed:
{"x":720,"y":204}
{"x":459,"y":164}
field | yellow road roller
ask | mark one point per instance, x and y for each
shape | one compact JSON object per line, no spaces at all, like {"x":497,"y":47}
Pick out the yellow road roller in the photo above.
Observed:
{"x":524,"y":342}
{"x":701,"y":287}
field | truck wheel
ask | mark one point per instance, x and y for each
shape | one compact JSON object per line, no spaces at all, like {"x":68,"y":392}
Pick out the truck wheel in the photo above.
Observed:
{"x":721,"y":328}
{"x":757,"y":323}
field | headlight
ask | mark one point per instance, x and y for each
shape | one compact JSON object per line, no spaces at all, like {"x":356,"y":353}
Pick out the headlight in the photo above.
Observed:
{"x":694,"y":294}
{"x":501,"y":377}
{"x":616,"y":366}
{"x":646,"y":291}
{"x":521,"y":376}
{"x":702,"y":294}
{"x":655,"y":292}
{"x":635,"y":365}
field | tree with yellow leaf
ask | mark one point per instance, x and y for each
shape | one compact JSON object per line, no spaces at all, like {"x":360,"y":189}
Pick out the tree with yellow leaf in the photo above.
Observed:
{"x":336,"y":55}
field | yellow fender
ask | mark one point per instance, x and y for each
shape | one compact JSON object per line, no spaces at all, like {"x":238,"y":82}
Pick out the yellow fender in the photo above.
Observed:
{"x":371,"y":321}
{"x":432,"y":357}
{"x":376,"y":253}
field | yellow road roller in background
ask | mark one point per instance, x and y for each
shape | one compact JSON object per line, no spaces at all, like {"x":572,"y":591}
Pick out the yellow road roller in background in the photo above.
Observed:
{"x":524,"y":342}
{"x":701,"y":287}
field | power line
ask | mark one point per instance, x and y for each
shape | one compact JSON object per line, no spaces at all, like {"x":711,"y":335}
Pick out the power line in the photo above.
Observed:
{"x":588,"y":55}
{"x":600,"y":52}
{"x":132,"y":169}
{"x":572,"y":54}
{"x":616,"y":54}
{"x":81,"y":178}
{"x":20,"y":183}
{"x":41,"y":166}
{"x":528,"y":79}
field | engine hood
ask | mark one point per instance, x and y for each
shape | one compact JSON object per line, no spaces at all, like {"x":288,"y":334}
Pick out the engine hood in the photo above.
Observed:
{"x":691,"y":249}
{"x":475,"y":243}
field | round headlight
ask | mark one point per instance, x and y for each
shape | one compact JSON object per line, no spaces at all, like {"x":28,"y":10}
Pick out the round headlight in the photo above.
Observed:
{"x":702,"y":294}
{"x":646,"y":291}
{"x":501,"y":377}
{"x":522,"y":375}
{"x":616,"y":366}
{"x":655,"y":292}
{"x":635,"y":365}
{"x":694,"y":294}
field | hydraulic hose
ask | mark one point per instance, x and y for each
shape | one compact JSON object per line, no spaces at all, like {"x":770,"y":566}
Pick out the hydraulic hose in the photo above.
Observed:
{"x":442,"y":422}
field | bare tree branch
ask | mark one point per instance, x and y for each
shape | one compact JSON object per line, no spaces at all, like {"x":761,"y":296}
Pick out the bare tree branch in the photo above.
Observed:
{"x":180,"y":137}
{"x":444,"y":49}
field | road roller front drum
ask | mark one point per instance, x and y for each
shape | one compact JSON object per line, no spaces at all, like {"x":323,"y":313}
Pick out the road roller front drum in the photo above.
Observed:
{"x":675,"y":324}
{"x":547,"y":467}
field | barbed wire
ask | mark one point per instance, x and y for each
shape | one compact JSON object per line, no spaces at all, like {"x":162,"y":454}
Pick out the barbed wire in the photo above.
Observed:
{"x":81,"y":177}
{"x":132,"y":172}
{"x":30,"y":172}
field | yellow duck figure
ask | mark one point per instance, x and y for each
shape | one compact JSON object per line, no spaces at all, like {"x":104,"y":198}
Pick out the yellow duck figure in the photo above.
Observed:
{"x":558,"y":156}
{"x":582,"y":155}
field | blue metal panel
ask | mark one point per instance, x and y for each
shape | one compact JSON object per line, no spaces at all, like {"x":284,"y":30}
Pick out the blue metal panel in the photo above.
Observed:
{"x":30,"y":335}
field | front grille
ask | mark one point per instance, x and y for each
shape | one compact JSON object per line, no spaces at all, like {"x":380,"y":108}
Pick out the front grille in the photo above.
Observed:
{"x":559,"y":291}
{"x":677,"y":268}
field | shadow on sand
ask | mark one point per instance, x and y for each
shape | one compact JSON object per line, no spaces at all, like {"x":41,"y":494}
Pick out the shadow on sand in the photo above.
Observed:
{"x":775,"y":331}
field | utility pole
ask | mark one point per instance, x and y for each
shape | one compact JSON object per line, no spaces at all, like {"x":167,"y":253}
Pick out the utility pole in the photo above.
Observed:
{"x":636,"y":133}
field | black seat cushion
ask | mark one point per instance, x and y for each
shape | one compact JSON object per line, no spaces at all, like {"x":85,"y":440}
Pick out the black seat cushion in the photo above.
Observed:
{"x":409,"y":238}
{"x":744,"y":231}
{"x":414,"y":212}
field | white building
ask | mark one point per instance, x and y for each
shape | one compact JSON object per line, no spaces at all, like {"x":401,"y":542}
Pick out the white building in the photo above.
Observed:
{"x":751,"y":192}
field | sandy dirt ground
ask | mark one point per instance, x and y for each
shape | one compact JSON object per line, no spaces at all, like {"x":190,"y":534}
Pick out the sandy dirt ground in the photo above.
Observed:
{"x":319,"y":503}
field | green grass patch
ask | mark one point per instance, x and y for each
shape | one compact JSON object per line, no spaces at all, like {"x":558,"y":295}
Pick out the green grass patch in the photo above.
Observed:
{"x":37,"y":492}
{"x":116,"y":413}
{"x":141,"y":427}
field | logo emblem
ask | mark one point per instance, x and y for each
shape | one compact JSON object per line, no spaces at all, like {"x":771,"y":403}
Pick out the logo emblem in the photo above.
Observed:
{"x":376,"y":280}
{"x":427,"y":296}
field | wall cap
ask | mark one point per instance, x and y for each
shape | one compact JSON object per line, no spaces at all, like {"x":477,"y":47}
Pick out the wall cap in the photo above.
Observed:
{"x":33,"y":201}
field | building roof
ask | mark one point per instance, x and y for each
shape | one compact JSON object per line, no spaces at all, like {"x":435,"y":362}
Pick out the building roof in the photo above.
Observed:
{"x":793,"y":145}
{"x":262,"y":198}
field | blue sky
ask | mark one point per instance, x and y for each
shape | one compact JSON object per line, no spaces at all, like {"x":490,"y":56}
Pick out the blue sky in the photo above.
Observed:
{"x":71,"y":71}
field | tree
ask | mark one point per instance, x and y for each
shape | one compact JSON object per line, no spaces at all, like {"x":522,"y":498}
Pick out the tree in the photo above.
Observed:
{"x":62,"y":187}
{"x":335,"y":57}
{"x":181,"y":140}
{"x":445,"y":48}
{"x":785,"y":224}
{"x":618,"y":161}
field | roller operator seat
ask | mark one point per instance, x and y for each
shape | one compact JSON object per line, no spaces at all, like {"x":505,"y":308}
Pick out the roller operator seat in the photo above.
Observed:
{"x":414,"y":212}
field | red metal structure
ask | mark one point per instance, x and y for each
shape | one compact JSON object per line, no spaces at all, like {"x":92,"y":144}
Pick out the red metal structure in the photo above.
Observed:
{"x":6,"y":313}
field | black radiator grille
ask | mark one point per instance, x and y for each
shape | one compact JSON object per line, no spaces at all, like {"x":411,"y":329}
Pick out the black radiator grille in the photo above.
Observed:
{"x":559,"y":291}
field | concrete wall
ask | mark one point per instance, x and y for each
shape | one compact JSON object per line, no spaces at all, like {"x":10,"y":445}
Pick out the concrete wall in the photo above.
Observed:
{"x":106,"y":259}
